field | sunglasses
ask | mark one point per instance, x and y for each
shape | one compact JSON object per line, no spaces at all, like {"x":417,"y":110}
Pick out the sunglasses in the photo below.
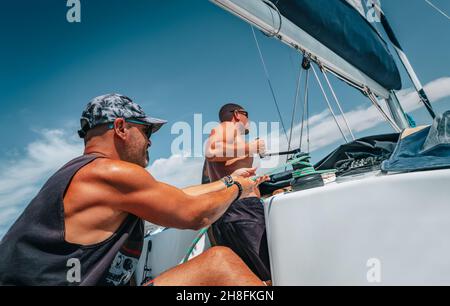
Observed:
{"x":147,"y":131}
{"x":241,"y":112}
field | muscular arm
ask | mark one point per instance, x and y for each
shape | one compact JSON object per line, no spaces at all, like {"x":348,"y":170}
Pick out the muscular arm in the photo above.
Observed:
{"x":204,"y":189}
{"x":132,"y":189}
{"x":224,"y":145}
{"x":219,"y":153}
{"x":219,"y":185}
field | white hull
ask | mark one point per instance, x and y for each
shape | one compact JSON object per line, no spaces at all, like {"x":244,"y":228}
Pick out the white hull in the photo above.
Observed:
{"x":168,"y":249}
{"x":390,"y":228}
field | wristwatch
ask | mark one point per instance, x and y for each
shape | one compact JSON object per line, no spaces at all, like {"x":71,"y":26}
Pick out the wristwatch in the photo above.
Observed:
{"x":228,"y":181}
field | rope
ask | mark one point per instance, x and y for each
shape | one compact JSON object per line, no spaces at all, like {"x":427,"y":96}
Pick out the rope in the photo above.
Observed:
{"x":299,"y":160}
{"x":194,"y":243}
{"x":304,"y":108}
{"x":269,"y":82}
{"x":307,"y":121}
{"x":310,"y":170}
{"x":297,"y":92}
{"x":437,"y":9}
{"x":275,"y":8}
{"x":338,"y":104}
{"x":307,"y":170}
{"x":328,"y":103}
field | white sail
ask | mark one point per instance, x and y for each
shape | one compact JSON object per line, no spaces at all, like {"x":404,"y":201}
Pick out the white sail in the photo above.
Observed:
{"x":267,"y":19}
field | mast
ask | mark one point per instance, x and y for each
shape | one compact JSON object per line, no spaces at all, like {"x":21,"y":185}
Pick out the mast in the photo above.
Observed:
{"x":397,"y":112}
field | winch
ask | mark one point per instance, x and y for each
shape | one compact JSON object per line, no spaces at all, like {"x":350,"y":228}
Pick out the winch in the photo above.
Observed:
{"x":302,"y":176}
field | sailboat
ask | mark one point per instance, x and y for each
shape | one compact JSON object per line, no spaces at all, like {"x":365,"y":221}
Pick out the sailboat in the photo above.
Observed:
{"x":375,"y":210}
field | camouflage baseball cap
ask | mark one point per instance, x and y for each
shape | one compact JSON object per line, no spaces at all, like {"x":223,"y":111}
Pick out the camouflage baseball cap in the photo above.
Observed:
{"x":107,"y":108}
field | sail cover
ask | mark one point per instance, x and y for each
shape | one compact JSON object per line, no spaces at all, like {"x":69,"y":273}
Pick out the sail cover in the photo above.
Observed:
{"x":342,"y":28}
{"x":357,"y":4}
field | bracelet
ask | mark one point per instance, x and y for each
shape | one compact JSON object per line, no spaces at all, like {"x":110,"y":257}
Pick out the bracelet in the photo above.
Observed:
{"x":240,"y":190}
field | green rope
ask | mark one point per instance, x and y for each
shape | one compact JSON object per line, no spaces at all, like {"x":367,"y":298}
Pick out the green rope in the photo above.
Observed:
{"x":202,"y":232}
{"x":306,"y":170}
{"x":282,"y":167}
{"x":309,"y":169}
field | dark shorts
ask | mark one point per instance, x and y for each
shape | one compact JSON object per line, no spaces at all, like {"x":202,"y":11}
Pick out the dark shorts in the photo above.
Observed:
{"x":242,"y":228}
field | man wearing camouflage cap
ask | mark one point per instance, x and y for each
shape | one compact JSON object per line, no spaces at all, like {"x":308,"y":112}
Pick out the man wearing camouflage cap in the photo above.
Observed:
{"x":85,"y":226}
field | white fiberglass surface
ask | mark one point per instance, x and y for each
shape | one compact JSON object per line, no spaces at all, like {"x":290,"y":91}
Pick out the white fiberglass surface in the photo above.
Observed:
{"x":389,"y":230}
{"x":167,"y":250}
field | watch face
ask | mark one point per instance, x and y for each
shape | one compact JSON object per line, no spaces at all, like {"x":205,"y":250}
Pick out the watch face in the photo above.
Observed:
{"x":228,"y":181}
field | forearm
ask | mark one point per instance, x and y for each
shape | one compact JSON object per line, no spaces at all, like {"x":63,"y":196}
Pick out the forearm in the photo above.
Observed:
{"x":228,"y":152}
{"x":179,"y":210}
{"x":210,"y":207}
{"x":203,"y":189}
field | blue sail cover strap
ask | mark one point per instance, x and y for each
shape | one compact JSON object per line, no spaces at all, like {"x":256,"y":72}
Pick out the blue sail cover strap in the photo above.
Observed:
{"x":340,"y":27}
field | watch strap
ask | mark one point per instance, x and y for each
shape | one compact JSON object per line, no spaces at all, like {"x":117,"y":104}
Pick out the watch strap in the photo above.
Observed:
{"x":240,"y":190}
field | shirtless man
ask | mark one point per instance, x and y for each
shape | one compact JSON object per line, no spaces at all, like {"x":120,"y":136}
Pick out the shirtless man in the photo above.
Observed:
{"x":242,"y":227}
{"x":85,"y":225}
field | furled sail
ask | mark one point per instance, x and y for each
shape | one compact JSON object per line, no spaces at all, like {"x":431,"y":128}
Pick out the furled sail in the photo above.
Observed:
{"x":357,"y":4}
{"x":341,"y":28}
{"x":335,"y":33}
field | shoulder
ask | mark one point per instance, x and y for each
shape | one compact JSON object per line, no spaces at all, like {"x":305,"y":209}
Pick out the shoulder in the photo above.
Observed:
{"x":224,"y":131}
{"x":114,"y":172}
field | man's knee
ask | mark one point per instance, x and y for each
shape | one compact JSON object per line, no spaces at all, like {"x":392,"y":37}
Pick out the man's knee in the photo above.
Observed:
{"x":221,"y":255}
{"x":224,"y":261}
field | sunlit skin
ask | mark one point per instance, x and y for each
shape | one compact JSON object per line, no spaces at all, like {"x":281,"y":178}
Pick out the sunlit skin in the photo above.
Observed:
{"x":227,"y":149}
{"x":104,"y":192}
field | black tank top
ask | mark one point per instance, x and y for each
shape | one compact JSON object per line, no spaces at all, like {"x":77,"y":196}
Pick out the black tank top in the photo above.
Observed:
{"x":34,"y":251}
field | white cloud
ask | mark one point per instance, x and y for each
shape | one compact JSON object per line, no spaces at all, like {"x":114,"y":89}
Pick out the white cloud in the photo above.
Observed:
{"x":41,"y":158}
{"x":178,"y":170}
{"x":436,"y":90}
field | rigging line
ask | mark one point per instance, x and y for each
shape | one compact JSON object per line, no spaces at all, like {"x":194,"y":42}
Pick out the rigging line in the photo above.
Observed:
{"x":294,"y":110}
{"x":437,"y":9}
{"x":338,"y":103}
{"x":269,"y":82}
{"x":328,"y":103}
{"x":304,"y":108}
{"x":374,"y":101}
{"x":307,"y":122}
{"x":275,"y":8}
{"x":307,"y":65}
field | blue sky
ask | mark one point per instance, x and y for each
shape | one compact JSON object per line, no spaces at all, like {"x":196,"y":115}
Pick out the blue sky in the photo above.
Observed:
{"x":175,"y":58}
